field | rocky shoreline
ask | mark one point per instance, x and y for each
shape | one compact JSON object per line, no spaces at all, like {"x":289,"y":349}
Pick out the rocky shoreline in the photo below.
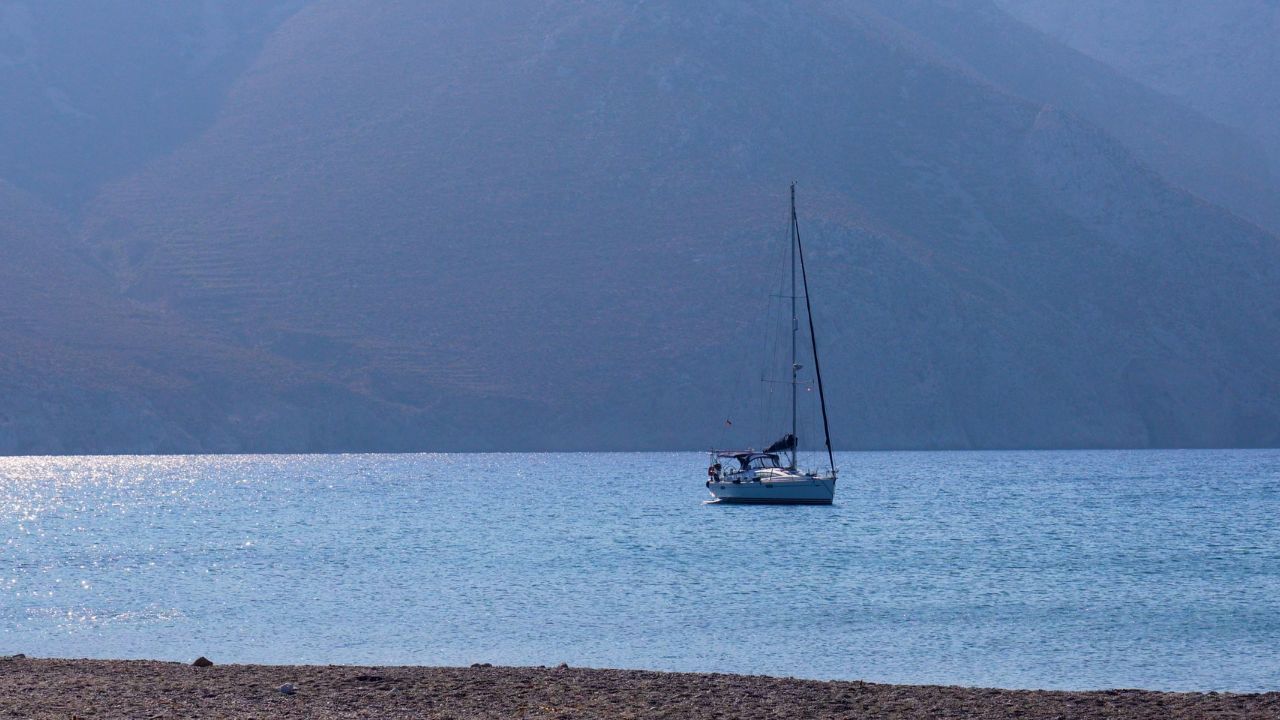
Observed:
{"x":31,"y":688}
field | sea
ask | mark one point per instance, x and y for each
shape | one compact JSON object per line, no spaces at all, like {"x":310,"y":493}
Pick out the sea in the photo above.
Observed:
{"x":1073,"y":570}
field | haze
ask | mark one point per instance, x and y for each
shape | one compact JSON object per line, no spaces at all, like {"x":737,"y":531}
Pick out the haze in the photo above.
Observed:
{"x":292,"y":226}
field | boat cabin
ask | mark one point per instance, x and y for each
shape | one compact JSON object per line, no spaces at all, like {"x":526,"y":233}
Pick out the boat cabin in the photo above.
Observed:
{"x":749,"y":461}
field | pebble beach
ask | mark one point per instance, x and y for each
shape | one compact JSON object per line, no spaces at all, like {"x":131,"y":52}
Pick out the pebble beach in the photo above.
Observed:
{"x":49,"y":688}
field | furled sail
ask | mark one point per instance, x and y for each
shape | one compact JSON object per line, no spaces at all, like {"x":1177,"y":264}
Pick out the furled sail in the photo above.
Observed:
{"x":786,"y":443}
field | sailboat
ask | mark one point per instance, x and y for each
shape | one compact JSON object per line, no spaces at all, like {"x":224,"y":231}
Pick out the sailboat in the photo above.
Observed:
{"x":772,"y":476}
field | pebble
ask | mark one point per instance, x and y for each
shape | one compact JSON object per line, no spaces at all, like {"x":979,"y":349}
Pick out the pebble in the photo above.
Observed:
{"x":130,"y":689}
{"x":287,"y":689}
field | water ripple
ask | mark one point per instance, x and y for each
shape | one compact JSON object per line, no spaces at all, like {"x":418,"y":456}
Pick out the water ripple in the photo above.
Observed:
{"x":1018,"y":569}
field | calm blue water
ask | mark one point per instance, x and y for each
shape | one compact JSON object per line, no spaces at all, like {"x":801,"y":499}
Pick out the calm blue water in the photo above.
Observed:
{"x":1015,"y":569}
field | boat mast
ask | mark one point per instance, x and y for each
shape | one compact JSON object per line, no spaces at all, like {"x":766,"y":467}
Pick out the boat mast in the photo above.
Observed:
{"x":795,"y":330}
{"x":808,"y":307}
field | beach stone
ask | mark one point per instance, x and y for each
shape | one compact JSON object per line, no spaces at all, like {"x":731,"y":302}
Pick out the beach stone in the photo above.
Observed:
{"x":481,"y":665}
{"x":287,"y":689}
{"x":202,"y":661}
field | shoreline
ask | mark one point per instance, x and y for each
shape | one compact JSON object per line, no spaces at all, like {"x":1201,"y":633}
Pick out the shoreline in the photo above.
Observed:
{"x":62,"y":688}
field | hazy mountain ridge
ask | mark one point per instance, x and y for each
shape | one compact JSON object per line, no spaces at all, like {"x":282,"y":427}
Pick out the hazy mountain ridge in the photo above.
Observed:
{"x":1223,"y":59}
{"x":154,"y":78}
{"x":540,"y":225}
{"x":1205,"y":153}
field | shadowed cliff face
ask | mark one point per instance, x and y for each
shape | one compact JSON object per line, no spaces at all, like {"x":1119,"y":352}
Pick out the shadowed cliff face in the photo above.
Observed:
{"x":536,"y":225}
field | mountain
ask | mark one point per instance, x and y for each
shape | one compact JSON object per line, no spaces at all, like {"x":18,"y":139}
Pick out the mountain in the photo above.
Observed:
{"x":1220,"y":58}
{"x":91,"y":91}
{"x":1204,"y":153}
{"x":85,"y":370}
{"x":546,"y":224}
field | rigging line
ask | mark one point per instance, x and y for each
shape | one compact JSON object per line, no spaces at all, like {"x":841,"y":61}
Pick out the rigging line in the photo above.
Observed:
{"x":750,"y":403}
{"x":795,"y":329}
{"x":813,"y":338}
{"x":809,"y":423}
{"x":744,"y":390}
{"x":773,"y":336}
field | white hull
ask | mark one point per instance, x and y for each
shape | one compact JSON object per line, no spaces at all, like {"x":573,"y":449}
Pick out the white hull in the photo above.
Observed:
{"x":790,"y":490}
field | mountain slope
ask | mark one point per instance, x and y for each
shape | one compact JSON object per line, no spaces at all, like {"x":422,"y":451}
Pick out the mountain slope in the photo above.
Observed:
{"x":541,"y":224}
{"x":85,"y":370}
{"x":1215,"y":160}
{"x":91,"y":91}
{"x":1220,"y":58}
